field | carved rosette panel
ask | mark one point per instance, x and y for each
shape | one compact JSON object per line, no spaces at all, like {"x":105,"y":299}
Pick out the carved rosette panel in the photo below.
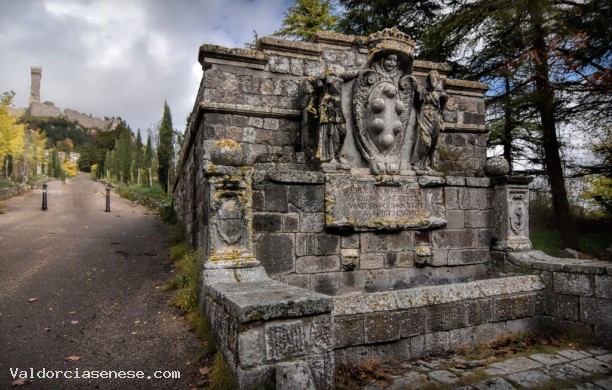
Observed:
{"x":382,"y":110}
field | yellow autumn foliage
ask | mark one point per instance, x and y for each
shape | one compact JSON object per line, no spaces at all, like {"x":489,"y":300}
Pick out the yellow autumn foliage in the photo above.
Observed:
{"x":71,"y":168}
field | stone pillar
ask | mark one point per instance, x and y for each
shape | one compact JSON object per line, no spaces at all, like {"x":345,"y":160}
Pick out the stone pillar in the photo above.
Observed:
{"x":228,"y":215}
{"x":512,"y":212}
{"x":36,"y":73}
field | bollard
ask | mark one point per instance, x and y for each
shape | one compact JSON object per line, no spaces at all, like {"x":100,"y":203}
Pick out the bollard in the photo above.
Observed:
{"x":44,"y":200}
{"x":108,"y":189}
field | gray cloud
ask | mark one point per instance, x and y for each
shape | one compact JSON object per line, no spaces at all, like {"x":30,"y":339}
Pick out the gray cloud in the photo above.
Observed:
{"x":122,"y":57}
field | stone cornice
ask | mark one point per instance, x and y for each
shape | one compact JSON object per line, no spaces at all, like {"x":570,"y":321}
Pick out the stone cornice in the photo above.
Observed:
{"x":214,"y":54}
{"x":248,"y":110}
{"x":287,"y":47}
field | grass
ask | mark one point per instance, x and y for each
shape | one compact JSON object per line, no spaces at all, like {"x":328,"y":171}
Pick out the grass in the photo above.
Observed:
{"x":153,"y":197}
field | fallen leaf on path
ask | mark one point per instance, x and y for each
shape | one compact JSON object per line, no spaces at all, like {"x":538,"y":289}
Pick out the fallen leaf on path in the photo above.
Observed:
{"x":32,"y":300}
{"x":204,"y":370}
{"x":20,"y":382}
{"x":47,"y":329}
{"x":71,"y":312}
{"x":74,"y":322}
{"x":72,"y":358}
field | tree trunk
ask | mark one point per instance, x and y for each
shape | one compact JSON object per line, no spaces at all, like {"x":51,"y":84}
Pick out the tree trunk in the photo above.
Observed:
{"x":545,"y":104}
{"x":507,"y":135}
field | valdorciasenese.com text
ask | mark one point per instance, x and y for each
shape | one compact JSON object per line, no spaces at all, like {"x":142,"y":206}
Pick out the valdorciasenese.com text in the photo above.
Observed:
{"x":31,"y":373}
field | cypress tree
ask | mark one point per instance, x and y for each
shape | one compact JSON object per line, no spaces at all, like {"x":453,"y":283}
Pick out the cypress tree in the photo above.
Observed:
{"x":165,"y":148}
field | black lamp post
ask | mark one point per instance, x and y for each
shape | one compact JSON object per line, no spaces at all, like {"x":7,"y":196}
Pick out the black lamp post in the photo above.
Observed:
{"x":44,"y":199}
{"x":108,"y":189}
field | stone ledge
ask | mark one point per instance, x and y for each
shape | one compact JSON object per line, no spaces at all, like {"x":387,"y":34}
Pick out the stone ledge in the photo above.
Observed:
{"x":541,"y":261}
{"x":248,"y":110}
{"x":283,"y":46}
{"x":235,"y":56}
{"x":434,"y":295}
{"x":267,"y":299}
{"x":297,"y":177}
{"x":338,"y":40}
{"x":464,"y":128}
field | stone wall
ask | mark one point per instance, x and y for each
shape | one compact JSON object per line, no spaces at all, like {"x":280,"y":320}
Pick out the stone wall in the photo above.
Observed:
{"x":418,"y":322}
{"x":578,"y":292}
{"x":291,"y":242}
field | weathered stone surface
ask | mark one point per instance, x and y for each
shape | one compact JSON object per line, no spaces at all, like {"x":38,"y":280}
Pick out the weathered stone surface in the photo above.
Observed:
{"x":276,"y":252}
{"x":284,"y":339}
{"x":479,"y":311}
{"x":592,"y":366}
{"x":307,"y":198}
{"x":314,"y":264}
{"x":596,"y":311}
{"x":603,"y":286}
{"x":548,"y":359}
{"x":294,"y":375}
{"x":297,"y":177}
{"x":568,"y":307}
{"x":518,"y":364}
{"x":529,"y":379}
{"x":381,"y":327}
{"x":515,"y":306}
{"x":364,"y":303}
{"x":267,"y":299}
{"x":249,"y":348}
{"x":447,"y":316}
{"x":349,"y":330}
{"x":572,"y":284}
{"x":413,"y":322}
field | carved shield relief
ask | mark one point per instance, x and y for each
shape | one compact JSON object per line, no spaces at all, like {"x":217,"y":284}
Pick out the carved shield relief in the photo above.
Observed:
{"x":382,"y":109}
{"x":230,"y":222}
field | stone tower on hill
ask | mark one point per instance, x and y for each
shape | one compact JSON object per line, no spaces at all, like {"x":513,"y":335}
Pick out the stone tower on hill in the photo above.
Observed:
{"x":36,"y":72}
{"x":49,"y":109}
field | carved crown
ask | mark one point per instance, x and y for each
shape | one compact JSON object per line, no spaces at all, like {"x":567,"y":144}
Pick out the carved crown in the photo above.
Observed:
{"x":391,"y":39}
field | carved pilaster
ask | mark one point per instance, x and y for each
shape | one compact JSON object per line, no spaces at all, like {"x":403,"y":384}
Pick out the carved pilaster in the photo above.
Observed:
{"x":512,"y":212}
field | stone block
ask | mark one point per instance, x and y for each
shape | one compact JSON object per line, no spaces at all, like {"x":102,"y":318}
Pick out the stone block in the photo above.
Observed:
{"x":483,"y":182}
{"x":307,"y":198}
{"x":413,"y":322}
{"x":251,"y":378}
{"x":329,"y":283}
{"x":267,"y":222}
{"x":394,"y":242}
{"x":320,"y":333}
{"x":529,"y":379}
{"x":276,"y":252}
{"x":474,"y":199}
{"x":447,"y":316}
{"x":527,"y":325}
{"x":568,"y":307}
{"x":316,"y":264}
{"x":349,"y":330}
{"x":284,"y":340}
{"x":249,"y":348}
{"x":377,"y":280}
{"x":462,"y":337}
{"x":596,"y":311}
{"x":514,"y":306}
{"x":436,"y":343}
{"x":479,"y":218}
{"x":290,"y":223}
{"x":372,"y":261}
{"x":294,"y":375}
{"x":451,"y":197}
{"x":312,"y":222}
{"x":302,"y":281}
{"x":455,"y":219}
{"x":573,"y":284}
{"x":468,"y":256}
{"x":380,"y":327}
{"x":275,"y":198}
{"x":405,"y":260}
{"x":323,"y":369}
{"x":603,"y":286}
{"x":351,"y":241}
{"x":364,"y":303}
{"x":479,"y":311}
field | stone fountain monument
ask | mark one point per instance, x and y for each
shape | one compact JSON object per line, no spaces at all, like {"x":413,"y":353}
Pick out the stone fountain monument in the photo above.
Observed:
{"x":338,"y":194}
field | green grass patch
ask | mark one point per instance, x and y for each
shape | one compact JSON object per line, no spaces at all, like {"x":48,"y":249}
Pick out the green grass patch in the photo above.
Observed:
{"x":187,"y":280}
{"x":591,"y":243}
{"x":152,"y":197}
{"x":221,"y":377}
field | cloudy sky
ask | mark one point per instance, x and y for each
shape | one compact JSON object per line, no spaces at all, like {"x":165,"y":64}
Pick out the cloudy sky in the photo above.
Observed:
{"x":122,"y":57}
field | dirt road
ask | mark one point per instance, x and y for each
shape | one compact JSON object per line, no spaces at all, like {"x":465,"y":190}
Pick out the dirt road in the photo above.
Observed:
{"x":81,"y":294}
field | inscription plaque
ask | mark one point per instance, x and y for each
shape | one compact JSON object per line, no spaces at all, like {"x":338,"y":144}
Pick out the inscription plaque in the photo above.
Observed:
{"x":362,"y":203}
